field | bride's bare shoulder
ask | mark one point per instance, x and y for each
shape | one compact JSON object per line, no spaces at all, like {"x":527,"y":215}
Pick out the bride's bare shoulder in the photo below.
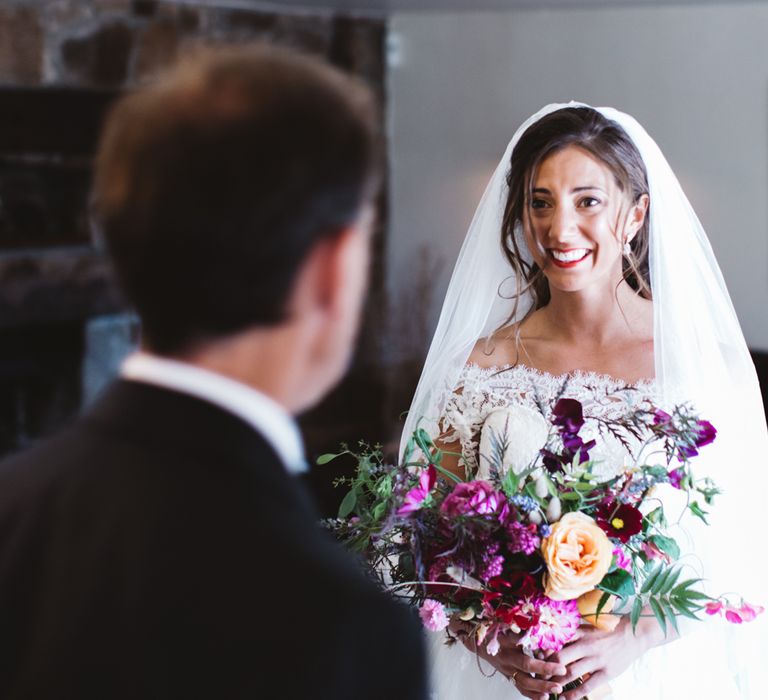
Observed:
{"x":496,"y":350}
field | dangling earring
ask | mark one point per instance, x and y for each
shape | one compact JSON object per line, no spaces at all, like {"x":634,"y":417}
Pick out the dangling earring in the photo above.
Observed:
{"x":627,"y":249}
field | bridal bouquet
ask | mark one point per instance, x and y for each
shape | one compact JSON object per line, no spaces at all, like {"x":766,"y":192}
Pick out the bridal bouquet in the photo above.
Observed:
{"x":540,"y":548}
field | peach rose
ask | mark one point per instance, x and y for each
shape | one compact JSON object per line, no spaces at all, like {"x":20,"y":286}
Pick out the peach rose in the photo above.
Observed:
{"x":588,"y":607}
{"x":577,"y":554}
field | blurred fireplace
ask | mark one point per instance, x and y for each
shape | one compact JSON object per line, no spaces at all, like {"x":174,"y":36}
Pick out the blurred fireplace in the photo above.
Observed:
{"x":53,"y":283}
{"x":63,"y":329}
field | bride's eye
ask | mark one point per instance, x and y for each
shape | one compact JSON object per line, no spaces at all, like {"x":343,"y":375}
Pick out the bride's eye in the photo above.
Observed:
{"x":589,"y":202}
{"x":538,"y":203}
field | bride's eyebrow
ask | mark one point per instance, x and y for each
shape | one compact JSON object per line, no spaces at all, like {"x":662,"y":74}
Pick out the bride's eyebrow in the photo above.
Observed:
{"x":544,"y":190}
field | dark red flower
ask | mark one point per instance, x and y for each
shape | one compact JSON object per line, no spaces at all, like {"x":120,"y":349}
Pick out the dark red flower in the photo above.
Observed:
{"x":619,"y":520}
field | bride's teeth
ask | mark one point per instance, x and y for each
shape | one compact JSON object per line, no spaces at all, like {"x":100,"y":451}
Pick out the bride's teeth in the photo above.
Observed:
{"x":570,"y":255}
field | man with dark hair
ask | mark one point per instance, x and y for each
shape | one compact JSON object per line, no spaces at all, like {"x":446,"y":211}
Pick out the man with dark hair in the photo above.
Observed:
{"x":161,"y":547}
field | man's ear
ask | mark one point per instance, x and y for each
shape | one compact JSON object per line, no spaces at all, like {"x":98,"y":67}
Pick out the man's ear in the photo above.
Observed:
{"x":334,"y":272}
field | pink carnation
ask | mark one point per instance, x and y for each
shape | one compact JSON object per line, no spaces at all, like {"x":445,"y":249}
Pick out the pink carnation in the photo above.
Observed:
{"x":433,"y":615}
{"x":558,"y":621}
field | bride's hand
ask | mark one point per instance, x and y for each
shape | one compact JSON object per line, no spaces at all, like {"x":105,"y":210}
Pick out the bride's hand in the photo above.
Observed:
{"x":602,"y":655}
{"x":515,"y":665}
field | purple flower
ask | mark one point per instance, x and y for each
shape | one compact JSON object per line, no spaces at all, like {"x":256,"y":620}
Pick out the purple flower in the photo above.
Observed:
{"x":568,"y":416}
{"x":558,"y":621}
{"x":475,"y":498}
{"x":432,"y":614}
{"x":418,"y":494}
{"x":522,"y":538}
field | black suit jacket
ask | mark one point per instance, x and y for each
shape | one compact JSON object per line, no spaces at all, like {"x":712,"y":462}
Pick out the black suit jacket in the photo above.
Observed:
{"x":159,"y":549}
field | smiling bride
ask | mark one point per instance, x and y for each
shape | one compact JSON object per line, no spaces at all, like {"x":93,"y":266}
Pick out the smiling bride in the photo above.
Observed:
{"x":585,"y":270}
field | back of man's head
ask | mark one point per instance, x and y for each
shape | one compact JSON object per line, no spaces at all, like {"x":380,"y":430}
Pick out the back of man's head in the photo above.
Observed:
{"x":213,"y":185}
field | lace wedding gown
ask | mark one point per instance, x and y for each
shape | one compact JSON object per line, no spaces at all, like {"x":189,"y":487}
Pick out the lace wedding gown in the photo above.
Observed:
{"x":692,"y":666}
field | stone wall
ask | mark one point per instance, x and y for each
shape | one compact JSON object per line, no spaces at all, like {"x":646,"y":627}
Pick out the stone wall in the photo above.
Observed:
{"x":61,"y":63}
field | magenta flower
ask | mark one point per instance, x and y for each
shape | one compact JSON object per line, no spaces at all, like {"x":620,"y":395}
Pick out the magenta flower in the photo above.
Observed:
{"x":623,"y":560}
{"x":558,"y":621}
{"x":750,"y":612}
{"x":432,"y":614}
{"x":706,"y":434}
{"x":735,"y":614}
{"x":713,"y":607}
{"x":676,"y":477}
{"x":474,"y":498}
{"x":743,"y":613}
{"x":418,"y":494}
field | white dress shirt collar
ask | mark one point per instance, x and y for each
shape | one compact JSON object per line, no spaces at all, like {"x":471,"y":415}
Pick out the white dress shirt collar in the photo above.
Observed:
{"x":264,"y":414}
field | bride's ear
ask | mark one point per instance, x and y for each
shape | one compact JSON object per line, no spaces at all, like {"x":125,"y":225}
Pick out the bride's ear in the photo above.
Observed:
{"x":637,"y":214}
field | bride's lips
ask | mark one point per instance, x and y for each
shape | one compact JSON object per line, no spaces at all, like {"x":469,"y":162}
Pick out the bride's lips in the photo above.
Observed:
{"x":569,"y":257}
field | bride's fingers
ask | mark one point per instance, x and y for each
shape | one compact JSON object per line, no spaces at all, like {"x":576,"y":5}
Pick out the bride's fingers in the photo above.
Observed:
{"x":573,"y":652}
{"x":577,"y":670}
{"x":536,"y":687}
{"x":545,"y":669}
{"x":590,"y":685}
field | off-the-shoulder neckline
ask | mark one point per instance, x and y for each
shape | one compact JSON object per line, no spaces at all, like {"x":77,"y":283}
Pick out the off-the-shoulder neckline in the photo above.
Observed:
{"x":582,"y":375}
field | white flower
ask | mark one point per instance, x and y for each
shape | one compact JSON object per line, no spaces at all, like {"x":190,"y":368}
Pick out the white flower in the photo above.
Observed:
{"x":554,"y":510}
{"x":523,"y":430}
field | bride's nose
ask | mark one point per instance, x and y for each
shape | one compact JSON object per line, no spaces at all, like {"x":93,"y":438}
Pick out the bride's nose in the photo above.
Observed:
{"x":563,"y":224}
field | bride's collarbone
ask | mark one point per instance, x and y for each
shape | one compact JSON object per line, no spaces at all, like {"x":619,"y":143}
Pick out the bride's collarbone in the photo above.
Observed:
{"x":631,"y":361}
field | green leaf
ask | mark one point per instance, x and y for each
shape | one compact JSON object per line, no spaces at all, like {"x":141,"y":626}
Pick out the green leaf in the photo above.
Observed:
{"x":328,"y":457}
{"x":670,"y":614}
{"x":601,"y":604}
{"x":348,"y":504}
{"x":378,"y":510}
{"x":666,"y":545}
{"x":655,"y":515}
{"x":620,"y":583}
{"x":696,"y":509}
{"x":662,"y":579}
{"x":570,"y":496}
{"x":659,"y":613}
{"x":651,"y":579}
{"x":671,"y":581}
{"x":637,"y":609}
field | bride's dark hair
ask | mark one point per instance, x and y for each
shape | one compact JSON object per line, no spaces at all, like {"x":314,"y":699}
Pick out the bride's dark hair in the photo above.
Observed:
{"x":608,"y":142}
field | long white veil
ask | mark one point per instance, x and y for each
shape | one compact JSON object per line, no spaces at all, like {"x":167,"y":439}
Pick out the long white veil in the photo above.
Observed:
{"x":701,"y":357}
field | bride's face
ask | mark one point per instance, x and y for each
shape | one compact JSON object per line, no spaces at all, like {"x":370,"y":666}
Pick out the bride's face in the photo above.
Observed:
{"x":579,"y":220}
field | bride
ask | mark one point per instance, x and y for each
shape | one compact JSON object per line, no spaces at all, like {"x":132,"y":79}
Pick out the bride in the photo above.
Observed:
{"x":586,"y":268}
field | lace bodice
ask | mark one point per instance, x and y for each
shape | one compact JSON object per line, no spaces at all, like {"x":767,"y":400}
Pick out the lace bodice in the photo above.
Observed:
{"x":531,"y":394}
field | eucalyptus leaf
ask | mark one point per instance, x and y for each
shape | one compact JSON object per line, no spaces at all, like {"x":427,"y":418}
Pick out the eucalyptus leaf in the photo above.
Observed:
{"x":328,"y":457}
